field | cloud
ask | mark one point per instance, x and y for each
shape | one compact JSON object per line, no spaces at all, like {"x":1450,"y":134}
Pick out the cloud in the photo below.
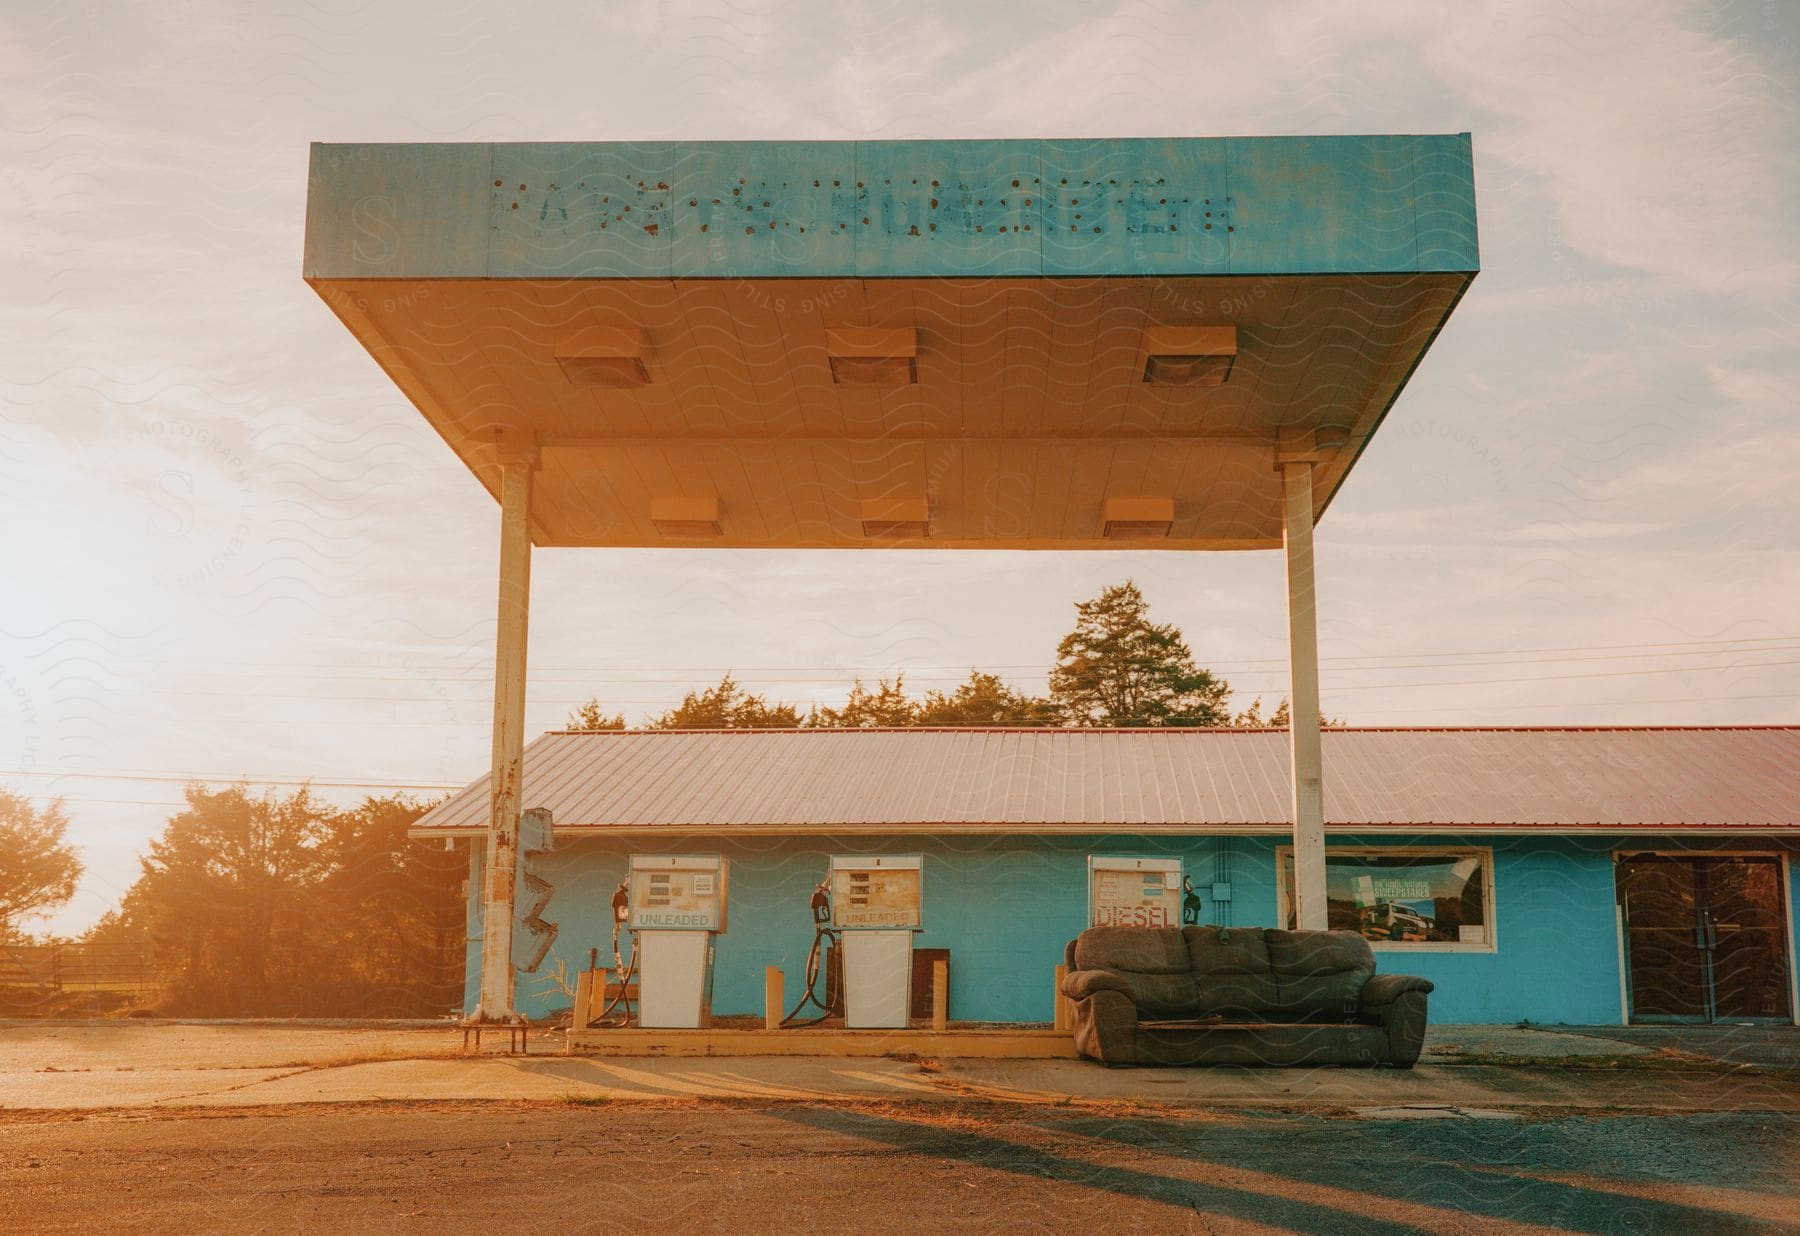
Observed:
{"x":1597,"y":451}
{"x":1662,"y":147}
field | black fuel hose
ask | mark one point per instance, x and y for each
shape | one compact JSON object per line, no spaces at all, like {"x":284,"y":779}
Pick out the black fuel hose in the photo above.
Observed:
{"x":814,"y":966}
{"x":624,"y":985}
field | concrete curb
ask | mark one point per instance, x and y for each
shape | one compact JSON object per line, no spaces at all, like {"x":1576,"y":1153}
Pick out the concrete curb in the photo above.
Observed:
{"x":1459,"y":1090}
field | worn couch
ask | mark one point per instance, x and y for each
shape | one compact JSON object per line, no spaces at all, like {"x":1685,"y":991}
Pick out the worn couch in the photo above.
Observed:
{"x":1240,"y":995}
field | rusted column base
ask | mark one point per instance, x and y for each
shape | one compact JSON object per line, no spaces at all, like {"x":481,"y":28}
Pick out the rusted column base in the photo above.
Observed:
{"x":518,"y":1035}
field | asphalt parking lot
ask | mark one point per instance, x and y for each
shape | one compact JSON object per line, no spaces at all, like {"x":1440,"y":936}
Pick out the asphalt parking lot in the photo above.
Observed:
{"x":185,"y":1127}
{"x":873,"y":1167}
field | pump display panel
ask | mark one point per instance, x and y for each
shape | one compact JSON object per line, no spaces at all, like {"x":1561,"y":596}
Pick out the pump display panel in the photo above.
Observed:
{"x":883,"y":891}
{"x":677,"y":893}
{"x":1134,"y":892}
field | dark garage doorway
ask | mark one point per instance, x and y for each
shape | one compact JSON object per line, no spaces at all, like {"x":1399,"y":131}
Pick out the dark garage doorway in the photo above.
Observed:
{"x":1705,"y":937}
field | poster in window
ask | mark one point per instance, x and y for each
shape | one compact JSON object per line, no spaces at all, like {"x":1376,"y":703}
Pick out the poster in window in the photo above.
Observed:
{"x":1405,"y":898}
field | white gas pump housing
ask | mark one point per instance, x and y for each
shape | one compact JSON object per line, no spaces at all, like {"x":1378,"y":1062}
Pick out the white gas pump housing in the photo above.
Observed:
{"x":877,"y":903}
{"x":676,"y":903}
{"x":1134,"y":892}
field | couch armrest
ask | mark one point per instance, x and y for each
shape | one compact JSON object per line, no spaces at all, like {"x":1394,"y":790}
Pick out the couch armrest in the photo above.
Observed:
{"x":1386,"y":988}
{"x":1396,"y":1003}
{"x":1106,"y":1026}
{"x":1081,"y":984}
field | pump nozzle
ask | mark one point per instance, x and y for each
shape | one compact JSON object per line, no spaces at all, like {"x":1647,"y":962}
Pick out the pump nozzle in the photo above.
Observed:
{"x":1190,"y":903}
{"x":621,"y":905}
{"x":821,"y":913}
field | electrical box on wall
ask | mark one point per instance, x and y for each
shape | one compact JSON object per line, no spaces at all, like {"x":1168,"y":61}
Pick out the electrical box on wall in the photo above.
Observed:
{"x":878,"y":891}
{"x":677,"y":892}
{"x":1134,"y":892}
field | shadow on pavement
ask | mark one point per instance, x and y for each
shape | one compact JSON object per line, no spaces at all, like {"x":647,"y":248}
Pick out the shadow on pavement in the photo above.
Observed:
{"x":1318,"y":1174}
{"x":1501,"y":1169}
{"x":1000,"y":1154}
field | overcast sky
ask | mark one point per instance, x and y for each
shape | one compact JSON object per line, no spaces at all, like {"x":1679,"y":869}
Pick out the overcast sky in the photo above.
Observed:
{"x":232,"y":548}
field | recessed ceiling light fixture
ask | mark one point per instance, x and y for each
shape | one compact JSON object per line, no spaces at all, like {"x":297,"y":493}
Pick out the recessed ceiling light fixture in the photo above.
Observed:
{"x":607,"y":357}
{"x":873,"y":355}
{"x":1189,"y":355}
{"x":686,"y":517}
{"x":896,"y":517}
{"x":1138,"y":519}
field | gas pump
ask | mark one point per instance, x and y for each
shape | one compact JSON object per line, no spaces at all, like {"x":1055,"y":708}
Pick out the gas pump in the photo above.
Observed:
{"x":870,"y":906}
{"x":877,"y":903}
{"x":1139,"y":892}
{"x":674,"y":905}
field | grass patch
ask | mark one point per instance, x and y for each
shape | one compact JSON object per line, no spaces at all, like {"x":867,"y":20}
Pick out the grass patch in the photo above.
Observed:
{"x":344,"y":1059}
{"x":584,"y":1098}
{"x":1664,"y":1061}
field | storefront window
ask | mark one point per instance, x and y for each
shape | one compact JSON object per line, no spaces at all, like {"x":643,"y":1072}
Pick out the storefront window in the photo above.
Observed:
{"x":1405,"y":896}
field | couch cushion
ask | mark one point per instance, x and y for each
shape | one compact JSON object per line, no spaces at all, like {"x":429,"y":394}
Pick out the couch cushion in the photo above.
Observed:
{"x":1232,"y":973}
{"x":1146,"y":950}
{"x":1153,"y":961}
{"x":1319,"y":974}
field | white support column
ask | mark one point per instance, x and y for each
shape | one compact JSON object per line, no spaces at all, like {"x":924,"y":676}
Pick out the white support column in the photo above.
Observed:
{"x":496,"y":1004}
{"x":1303,"y":697}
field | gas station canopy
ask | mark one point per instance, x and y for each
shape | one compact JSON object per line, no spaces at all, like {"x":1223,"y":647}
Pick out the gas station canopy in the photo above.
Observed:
{"x":1169,"y":343}
{"x":957,"y":344}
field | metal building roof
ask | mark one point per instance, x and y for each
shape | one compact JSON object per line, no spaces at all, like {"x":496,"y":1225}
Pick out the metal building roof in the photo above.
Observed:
{"x":1173,"y":780}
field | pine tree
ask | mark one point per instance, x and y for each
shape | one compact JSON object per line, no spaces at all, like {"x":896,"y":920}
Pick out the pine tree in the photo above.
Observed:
{"x":727,"y":707}
{"x":38,"y":867}
{"x":885,"y":707}
{"x":252,"y":905}
{"x":228,"y":900}
{"x":984,"y":700}
{"x":590,"y":717}
{"x":1252,"y":717}
{"x":1119,"y":668}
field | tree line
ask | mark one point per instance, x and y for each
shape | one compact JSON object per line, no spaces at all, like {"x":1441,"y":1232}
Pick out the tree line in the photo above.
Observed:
{"x":1116,"y":668}
{"x":257,"y":904}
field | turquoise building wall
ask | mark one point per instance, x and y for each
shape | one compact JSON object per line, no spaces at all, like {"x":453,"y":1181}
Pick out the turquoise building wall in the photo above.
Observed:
{"x":1005,"y":906}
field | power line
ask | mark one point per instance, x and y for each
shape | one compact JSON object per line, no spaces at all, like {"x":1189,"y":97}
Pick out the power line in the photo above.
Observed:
{"x":296,"y":781}
{"x":1705,"y":647}
{"x":1476,"y":682}
{"x":1273,"y":685}
{"x":480,"y":677}
{"x":126,"y":802}
{"x":1564,"y":704}
{"x":188,"y":778}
